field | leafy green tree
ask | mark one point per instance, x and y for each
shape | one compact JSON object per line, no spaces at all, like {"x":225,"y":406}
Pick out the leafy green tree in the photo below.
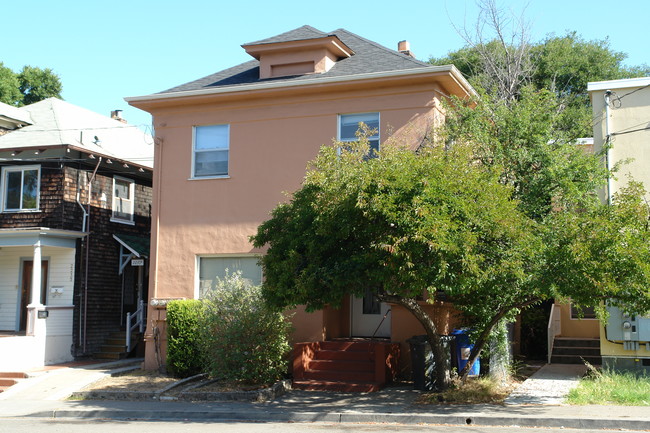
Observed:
{"x":403,"y":225}
{"x":31,"y":85}
{"x":9,"y":86}
{"x":583,"y":245}
{"x":535,"y":154}
{"x":37,"y":84}
{"x":502,"y":66}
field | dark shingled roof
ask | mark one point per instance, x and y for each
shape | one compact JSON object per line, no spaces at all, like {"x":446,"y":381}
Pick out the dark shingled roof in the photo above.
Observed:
{"x":299,"y":34}
{"x":369,"y":57}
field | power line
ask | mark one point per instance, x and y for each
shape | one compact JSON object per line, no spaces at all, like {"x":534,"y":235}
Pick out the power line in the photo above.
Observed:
{"x":629,"y":132}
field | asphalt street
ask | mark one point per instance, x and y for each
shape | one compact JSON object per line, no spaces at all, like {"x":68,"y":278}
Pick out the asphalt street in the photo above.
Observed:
{"x":110,"y":426}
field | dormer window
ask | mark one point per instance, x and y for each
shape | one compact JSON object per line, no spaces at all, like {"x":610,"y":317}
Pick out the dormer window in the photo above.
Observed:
{"x":298,"y":57}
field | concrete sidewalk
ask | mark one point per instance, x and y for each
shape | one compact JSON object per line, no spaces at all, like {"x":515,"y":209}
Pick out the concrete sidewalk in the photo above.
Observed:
{"x":41,"y":397}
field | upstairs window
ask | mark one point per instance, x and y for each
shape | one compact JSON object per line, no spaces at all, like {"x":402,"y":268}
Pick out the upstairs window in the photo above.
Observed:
{"x":210,"y":151}
{"x":123,"y":200}
{"x":21,"y":188}
{"x":349,"y":125}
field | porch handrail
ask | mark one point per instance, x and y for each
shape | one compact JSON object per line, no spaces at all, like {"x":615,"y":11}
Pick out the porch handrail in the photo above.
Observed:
{"x":138,"y":315}
{"x":380,"y":323}
{"x":554,"y":329}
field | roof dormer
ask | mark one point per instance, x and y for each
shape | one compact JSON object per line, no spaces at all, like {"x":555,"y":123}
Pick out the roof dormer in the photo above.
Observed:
{"x":298,"y":57}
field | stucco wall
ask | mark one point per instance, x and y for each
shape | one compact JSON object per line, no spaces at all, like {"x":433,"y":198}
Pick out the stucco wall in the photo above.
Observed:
{"x":628,"y":112}
{"x":577,"y":328}
{"x":272,"y":138}
{"x":271,"y":142}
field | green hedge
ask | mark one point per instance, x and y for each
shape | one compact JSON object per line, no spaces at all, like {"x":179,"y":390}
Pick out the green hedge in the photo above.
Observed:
{"x":231,"y":334}
{"x":185,"y":355}
{"x":249,"y":342}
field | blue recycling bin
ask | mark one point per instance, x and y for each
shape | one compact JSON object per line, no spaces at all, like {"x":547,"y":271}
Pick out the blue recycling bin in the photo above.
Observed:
{"x":463,"y":349}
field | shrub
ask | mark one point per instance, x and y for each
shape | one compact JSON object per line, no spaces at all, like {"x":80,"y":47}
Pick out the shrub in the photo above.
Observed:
{"x":245,"y":340}
{"x":185,"y":354}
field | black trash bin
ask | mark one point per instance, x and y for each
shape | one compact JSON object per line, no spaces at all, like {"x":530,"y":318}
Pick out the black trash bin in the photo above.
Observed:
{"x":423,"y":366}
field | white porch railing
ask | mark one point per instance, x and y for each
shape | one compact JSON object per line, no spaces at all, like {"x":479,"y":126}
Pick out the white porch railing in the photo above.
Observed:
{"x":554,"y":329}
{"x":138,"y":318}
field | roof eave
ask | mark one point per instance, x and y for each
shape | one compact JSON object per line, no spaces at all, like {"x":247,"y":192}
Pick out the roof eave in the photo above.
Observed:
{"x":458,"y":79}
{"x":618,"y":84}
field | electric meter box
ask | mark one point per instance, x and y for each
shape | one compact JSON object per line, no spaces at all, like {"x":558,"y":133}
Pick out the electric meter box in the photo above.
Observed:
{"x":623,"y":327}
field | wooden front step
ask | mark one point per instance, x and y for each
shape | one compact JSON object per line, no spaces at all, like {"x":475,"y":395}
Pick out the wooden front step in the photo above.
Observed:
{"x":344,"y":365}
{"x":114,"y":346}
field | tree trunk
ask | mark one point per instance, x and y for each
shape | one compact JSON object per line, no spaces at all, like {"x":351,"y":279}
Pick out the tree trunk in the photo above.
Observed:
{"x":440,"y":355}
{"x":483,"y":337}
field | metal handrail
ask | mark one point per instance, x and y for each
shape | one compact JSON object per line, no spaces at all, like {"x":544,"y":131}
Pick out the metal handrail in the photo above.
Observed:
{"x":139,"y":323}
{"x":380,"y":323}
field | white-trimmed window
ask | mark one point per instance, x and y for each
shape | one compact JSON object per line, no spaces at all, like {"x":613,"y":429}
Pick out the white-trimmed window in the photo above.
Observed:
{"x":123,"y":200}
{"x":349,"y":125}
{"x":210,"y":151}
{"x":21,"y":187}
{"x":212,"y":267}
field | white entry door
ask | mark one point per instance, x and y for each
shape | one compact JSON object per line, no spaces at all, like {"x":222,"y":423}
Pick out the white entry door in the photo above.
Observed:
{"x":366,"y":316}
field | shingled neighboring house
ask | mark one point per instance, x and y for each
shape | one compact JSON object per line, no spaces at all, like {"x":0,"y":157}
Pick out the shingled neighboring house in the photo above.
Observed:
{"x":75,"y":203}
{"x":231,"y":143}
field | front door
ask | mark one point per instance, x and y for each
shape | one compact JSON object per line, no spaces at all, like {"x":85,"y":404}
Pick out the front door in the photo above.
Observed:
{"x":368,"y":317}
{"x":26,"y":289}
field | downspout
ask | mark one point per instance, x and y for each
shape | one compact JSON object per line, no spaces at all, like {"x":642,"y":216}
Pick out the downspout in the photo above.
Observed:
{"x":607,"y":143}
{"x":86,"y":227}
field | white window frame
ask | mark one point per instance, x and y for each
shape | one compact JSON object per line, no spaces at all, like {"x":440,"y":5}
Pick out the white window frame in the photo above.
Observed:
{"x":378,"y":135}
{"x":117,"y":219}
{"x":3,"y":187}
{"x":197,"y":270}
{"x":193,"y":175}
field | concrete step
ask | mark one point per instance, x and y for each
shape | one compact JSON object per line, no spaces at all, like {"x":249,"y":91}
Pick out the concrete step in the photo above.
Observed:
{"x":572,"y":359}
{"x":14,"y":374}
{"x":577,"y":351}
{"x":337,"y":386}
{"x":351,"y":346}
{"x":4,"y":381}
{"x":576,"y":342}
{"x":338,"y":365}
{"x":343,"y":355}
{"x":340,"y":376}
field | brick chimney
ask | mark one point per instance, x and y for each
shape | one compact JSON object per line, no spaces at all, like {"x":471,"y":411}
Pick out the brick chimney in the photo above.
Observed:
{"x":117,"y":115}
{"x":405,"y":48}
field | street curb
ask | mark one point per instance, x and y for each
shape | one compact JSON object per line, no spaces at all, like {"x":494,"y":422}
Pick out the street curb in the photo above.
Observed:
{"x":353,"y":417}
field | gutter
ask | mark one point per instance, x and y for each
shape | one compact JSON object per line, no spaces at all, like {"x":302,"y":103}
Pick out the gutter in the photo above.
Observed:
{"x":451,"y":69}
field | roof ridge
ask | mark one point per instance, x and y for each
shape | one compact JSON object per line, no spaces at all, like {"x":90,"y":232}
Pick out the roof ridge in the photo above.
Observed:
{"x":378,"y":45}
{"x":55,"y":116}
{"x":279,"y":36}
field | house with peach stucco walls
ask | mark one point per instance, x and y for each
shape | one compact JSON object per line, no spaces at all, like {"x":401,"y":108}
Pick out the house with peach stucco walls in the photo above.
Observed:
{"x":228,"y":146}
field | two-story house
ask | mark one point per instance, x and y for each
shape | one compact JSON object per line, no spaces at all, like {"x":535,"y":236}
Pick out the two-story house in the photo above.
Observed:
{"x":75,"y":200}
{"x":230,"y":144}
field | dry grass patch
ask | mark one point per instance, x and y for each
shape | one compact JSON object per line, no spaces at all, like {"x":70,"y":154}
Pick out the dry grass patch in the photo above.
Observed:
{"x":136,"y":380}
{"x":153,"y":381}
{"x":473,"y":391}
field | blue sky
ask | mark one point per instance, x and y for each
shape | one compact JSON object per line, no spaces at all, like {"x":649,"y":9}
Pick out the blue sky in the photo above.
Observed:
{"x":105,"y":51}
